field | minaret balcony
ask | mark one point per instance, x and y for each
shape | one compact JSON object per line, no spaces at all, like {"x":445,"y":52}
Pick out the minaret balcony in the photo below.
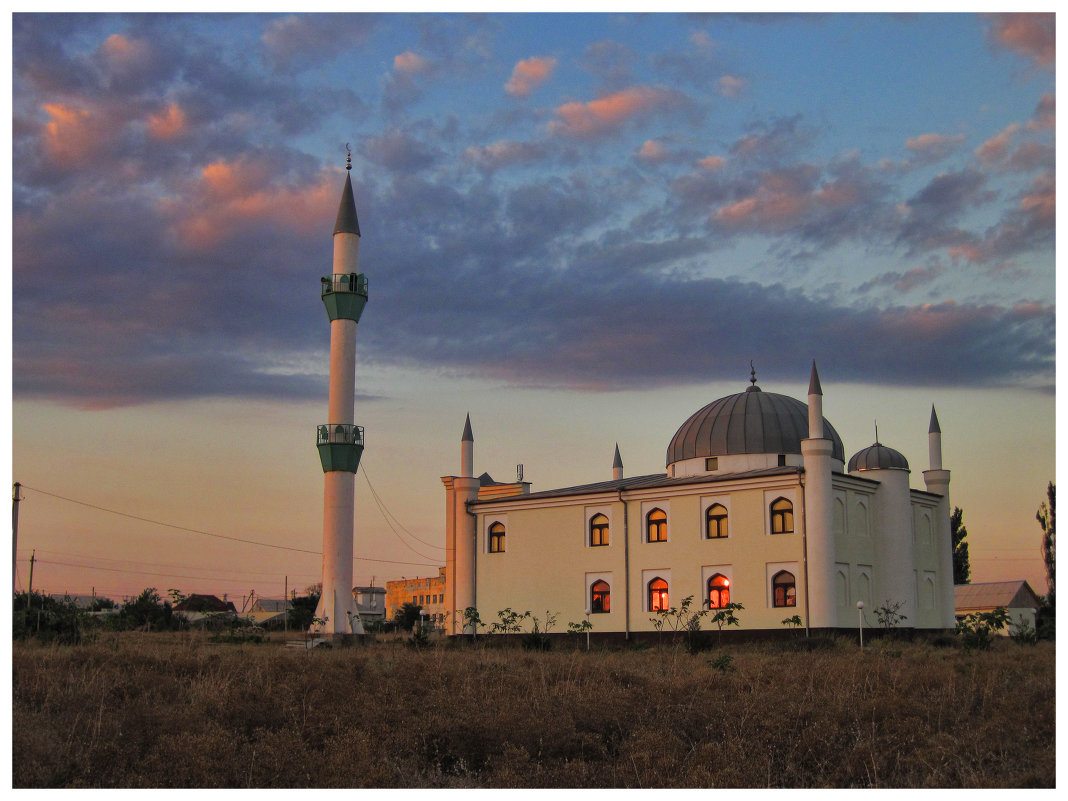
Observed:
{"x":344,"y":295}
{"x":340,"y":446}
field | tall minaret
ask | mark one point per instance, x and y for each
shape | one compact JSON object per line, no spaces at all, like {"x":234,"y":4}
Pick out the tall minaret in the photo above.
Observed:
{"x":817,"y":451}
{"x":460,"y":535}
{"x":617,"y":465}
{"x":937,"y":481}
{"x":340,"y":442}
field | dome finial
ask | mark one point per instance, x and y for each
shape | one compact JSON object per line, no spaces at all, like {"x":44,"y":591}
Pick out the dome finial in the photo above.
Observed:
{"x":348,"y":157}
{"x":876,"y":432}
{"x":752,"y":378}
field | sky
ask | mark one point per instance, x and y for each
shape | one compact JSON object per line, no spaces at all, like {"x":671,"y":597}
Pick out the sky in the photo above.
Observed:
{"x":577,"y":228}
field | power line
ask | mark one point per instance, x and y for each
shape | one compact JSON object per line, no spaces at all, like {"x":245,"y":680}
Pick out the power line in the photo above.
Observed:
{"x":174,"y":526}
{"x":223,"y":536}
{"x":382,"y":507}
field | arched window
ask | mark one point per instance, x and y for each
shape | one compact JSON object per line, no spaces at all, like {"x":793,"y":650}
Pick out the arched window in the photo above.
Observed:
{"x":658,"y":595}
{"x":782,"y":516}
{"x":598,"y":530}
{"x":656,"y":526}
{"x":719,"y":593}
{"x":784,"y":591}
{"x":716,"y":522}
{"x":496,"y":538}
{"x":600,"y":597}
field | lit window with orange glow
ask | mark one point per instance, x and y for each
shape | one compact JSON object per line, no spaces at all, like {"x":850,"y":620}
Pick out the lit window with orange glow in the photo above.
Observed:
{"x":600,"y":597}
{"x":598,"y":530}
{"x":496,"y":538}
{"x":656,"y":526}
{"x":782,"y":516}
{"x":719,"y":591}
{"x":716,"y":522}
{"x":658,"y":595}
{"x":784,"y":590}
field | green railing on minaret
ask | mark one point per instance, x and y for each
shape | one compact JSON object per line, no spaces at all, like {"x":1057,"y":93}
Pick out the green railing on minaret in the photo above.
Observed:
{"x":344,"y":295}
{"x":340,"y":446}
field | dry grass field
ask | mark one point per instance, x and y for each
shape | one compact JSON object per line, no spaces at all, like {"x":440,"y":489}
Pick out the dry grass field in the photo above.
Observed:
{"x":174,"y":710}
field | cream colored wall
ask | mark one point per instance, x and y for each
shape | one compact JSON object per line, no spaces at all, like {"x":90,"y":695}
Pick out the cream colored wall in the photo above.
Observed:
{"x":854,"y":549}
{"x":925,"y":544}
{"x":547,"y":560}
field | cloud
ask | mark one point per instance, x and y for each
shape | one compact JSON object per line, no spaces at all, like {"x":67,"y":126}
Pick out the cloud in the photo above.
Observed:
{"x":928,"y":148}
{"x":905,"y":281}
{"x":529,"y":74}
{"x":1031,"y":35}
{"x":399,"y":150}
{"x":609,"y":61}
{"x":303,"y":40}
{"x":730,"y":85}
{"x":608,"y":114}
{"x":1045,"y":116}
{"x":409,"y":63}
{"x":168,"y":124}
{"x":783,"y":137}
{"x":996,"y":147}
{"x":503,"y":153}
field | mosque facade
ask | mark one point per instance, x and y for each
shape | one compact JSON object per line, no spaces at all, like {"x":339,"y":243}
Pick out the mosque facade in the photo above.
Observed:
{"x":758,"y":506}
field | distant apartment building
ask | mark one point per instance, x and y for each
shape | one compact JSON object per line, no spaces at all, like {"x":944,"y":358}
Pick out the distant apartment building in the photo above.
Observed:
{"x":428,"y":593}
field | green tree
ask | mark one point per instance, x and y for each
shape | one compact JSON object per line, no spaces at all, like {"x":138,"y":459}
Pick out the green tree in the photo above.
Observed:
{"x":1047,"y":519}
{"x":407,"y":616}
{"x":147,"y":610}
{"x":302,"y":608}
{"x":962,"y":569}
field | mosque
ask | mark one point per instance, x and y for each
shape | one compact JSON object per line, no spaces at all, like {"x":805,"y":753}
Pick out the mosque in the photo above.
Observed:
{"x":758,"y":506}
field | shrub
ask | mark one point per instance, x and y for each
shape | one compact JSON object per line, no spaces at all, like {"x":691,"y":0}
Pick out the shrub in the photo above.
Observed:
{"x":978,"y":629}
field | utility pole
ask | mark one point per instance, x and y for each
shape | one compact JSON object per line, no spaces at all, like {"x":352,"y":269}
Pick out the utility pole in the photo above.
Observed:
{"x":29,"y":592}
{"x":285,"y":611}
{"x":15,"y":498}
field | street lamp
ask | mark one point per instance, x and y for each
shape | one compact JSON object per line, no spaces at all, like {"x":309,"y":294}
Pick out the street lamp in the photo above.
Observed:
{"x":587,"y":628}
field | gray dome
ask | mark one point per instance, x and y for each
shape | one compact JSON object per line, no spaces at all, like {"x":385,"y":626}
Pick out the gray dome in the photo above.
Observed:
{"x":749,"y":422}
{"x":877,"y":457}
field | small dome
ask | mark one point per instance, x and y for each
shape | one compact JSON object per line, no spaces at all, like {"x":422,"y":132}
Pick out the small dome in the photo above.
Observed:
{"x":877,"y":457}
{"x":751,"y":422}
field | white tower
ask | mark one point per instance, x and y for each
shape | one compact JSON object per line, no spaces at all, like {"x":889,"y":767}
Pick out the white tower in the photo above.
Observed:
{"x":937,"y":481}
{"x":817,"y":451}
{"x":460,"y":535}
{"x":340,"y":442}
{"x":617,"y":465}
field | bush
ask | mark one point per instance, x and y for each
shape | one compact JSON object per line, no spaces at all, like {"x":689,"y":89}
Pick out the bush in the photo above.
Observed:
{"x":47,"y":619}
{"x":978,"y":629}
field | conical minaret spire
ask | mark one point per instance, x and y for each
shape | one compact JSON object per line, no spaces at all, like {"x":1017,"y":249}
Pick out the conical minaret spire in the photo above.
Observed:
{"x":617,"y":465}
{"x":467,"y":450}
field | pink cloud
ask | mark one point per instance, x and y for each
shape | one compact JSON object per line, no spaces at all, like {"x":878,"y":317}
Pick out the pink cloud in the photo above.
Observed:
{"x":1031,"y":35}
{"x":1045,"y":116}
{"x":230,"y":196}
{"x":652,"y":151}
{"x":996,"y":147}
{"x":123,"y":53}
{"x":1041,"y":203}
{"x":73,"y":134}
{"x":410,"y":63}
{"x":932,"y":141}
{"x":502,"y":154}
{"x":168,"y":124}
{"x":528,"y":75}
{"x":730,"y":85}
{"x":711,"y":162}
{"x":783,"y":198}
{"x":609,"y":113}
